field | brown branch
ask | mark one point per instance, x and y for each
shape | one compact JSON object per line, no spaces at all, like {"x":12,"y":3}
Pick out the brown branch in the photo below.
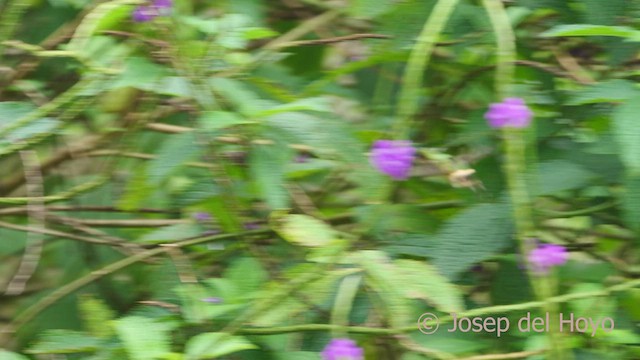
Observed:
{"x":58,"y":158}
{"x":153,"y":42}
{"x":333,"y":40}
{"x":126,"y":222}
{"x":514,"y":355}
{"x":66,"y":235}
{"x":18,"y":210}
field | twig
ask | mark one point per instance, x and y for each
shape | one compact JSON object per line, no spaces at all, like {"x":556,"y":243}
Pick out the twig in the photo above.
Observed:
{"x":53,"y":208}
{"x":62,"y":234}
{"x":330,"y":40}
{"x":514,"y":355}
{"x":125,"y":222}
{"x":36,"y":213}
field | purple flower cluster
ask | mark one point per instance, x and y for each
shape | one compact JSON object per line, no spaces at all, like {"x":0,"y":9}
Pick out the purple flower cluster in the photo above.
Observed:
{"x":342,"y":349}
{"x":393,"y":157}
{"x":546,"y":256}
{"x":512,"y":112}
{"x":144,"y":13}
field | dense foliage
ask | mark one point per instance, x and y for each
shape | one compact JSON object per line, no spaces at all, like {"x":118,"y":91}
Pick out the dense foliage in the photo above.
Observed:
{"x":307,"y":179}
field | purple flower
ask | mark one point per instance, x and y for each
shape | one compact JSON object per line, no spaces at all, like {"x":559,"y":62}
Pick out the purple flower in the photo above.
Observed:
{"x":202,"y":216}
{"x":251,"y":225}
{"x":393,"y":157}
{"x":144,"y":13}
{"x":342,"y":349}
{"x":512,"y":112}
{"x":302,"y":158}
{"x":545,"y":256}
{"x":212,"y":300}
{"x":211,"y":232}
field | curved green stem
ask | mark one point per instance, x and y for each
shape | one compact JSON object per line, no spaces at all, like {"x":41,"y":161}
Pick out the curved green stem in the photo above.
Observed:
{"x":418,"y":61}
{"x":516,"y":169}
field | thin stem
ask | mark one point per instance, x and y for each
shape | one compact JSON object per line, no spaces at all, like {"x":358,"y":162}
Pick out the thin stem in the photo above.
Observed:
{"x":418,"y":61}
{"x":515,"y":167}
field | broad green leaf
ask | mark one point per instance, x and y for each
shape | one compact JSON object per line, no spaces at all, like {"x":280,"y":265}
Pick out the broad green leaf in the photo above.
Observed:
{"x":214,"y":120}
{"x":64,"y":342}
{"x":296,"y":355}
{"x":237,"y":94}
{"x":560,"y":175}
{"x":174,"y":152}
{"x":40,"y":126}
{"x":256,"y":33}
{"x":175,"y":86}
{"x":595,"y":307}
{"x":310,"y":104}
{"x":170,"y":233}
{"x":626,"y":129}
{"x":136,"y":191}
{"x":276,"y":305}
{"x":267,"y":164}
{"x":13,"y":110}
{"x":608,"y":91}
{"x":96,"y":315}
{"x":247,"y":274}
{"x":7,"y":355}
{"x":473,"y":235}
{"x":17,"y":243}
{"x":369,"y":8}
{"x":213,"y":345}
{"x":631,"y":201}
{"x":297,"y":170}
{"x":381,"y":276}
{"x":306,"y":231}
{"x":144,"y":338}
{"x":608,"y":12}
{"x":140,"y":73}
{"x":256,"y":10}
{"x":424,"y":282}
{"x":510,"y":284}
{"x":593,"y":30}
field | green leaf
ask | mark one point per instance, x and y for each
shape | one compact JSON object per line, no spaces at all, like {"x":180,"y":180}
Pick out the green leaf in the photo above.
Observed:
{"x":174,"y":152}
{"x":247,"y":274}
{"x":214,"y":120}
{"x":238,"y":94}
{"x":631,"y":201}
{"x":213,"y":345}
{"x":318,"y":104}
{"x":381,"y":277}
{"x":96,"y":315}
{"x":369,"y":8}
{"x":559,"y":175}
{"x":258,"y":33}
{"x":7,"y":355}
{"x":256,"y":10}
{"x":64,"y":342}
{"x":473,"y":235}
{"x":267,"y":165}
{"x":306,"y":231}
{"x":626,"y":129}
{"x":141,"y":74}
{"x":593,"y":30}
{"x":40,"y":126}
{"x":170,"y":233}
{"x":11,"y":111}
{"x":144,"y":338}
{"x":424,"y":282}
{"x":608,"y":91}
